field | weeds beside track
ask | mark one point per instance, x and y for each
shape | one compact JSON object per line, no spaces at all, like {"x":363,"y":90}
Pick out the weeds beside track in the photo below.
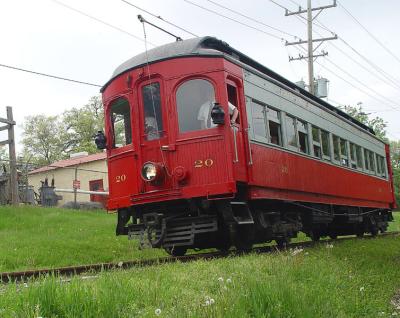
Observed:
{"x":23,"y":276}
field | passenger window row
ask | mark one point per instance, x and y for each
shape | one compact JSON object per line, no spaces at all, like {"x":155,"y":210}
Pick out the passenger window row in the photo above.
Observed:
{"x":269,"y":125}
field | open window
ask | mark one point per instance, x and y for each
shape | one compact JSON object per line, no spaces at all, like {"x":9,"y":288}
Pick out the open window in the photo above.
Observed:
{"x":121,"y":122}
{"x":274,"y":126}
{"x":194,"y":101}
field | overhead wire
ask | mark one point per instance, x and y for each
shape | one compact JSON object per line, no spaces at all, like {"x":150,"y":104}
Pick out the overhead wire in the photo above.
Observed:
{"x":380,"y":74}
{"x":234,"y":20}
{"x":251,"y":19}
{"x":369,"y":33}
{"x":160,"y":18}
{"x":101,"y":21}
{"x":377,"y":68}
{"x":381,"y":99}
{"x":49,"y":75}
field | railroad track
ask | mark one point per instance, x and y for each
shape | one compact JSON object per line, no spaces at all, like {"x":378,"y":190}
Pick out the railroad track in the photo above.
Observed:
{"x":24,"y":276}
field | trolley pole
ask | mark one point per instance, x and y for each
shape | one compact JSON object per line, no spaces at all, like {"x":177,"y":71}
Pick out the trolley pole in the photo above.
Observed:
{"x":310,"y":51}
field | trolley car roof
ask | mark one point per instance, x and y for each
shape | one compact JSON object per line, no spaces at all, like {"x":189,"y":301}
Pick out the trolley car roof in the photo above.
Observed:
{"x":212,"y":47}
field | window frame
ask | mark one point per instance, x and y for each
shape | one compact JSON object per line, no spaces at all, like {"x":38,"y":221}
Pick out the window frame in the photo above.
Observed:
{"x":199,"y":132}
{"x":112,"y":140}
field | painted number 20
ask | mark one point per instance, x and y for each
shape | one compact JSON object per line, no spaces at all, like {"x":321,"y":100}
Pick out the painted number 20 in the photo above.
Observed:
{"x":206,"y":163}
{"x":120,"y":178}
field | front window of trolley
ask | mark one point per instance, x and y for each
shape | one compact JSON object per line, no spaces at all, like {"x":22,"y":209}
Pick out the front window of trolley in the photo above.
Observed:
{"x":195,"y":100}
{"x":153,"y":125}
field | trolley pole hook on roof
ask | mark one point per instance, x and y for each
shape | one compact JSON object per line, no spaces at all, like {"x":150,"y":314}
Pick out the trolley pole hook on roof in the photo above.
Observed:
{"x":143,"y":20}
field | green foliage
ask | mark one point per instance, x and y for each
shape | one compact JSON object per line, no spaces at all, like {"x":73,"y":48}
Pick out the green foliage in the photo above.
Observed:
{"x":83,"y":123}
{"x":379,"y":126}
{"x":395,"y":157}
{"x":377,"y":123}
{"x":44,"y":138}
{"x":50,"y":138}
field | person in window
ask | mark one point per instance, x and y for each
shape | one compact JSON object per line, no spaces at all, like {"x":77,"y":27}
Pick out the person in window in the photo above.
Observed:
{"x":204,"y":114}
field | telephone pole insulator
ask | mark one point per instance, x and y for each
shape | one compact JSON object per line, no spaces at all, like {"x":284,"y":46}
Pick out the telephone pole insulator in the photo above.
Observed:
{"x":310,"y":52}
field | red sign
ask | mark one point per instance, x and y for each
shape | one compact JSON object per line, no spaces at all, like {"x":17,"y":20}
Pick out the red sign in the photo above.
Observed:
{"x":76,"y":184}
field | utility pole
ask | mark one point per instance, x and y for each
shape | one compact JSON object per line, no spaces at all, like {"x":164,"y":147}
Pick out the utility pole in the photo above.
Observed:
{"x":310,"y":52}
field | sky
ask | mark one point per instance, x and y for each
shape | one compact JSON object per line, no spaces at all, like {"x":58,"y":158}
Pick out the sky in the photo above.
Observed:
{"x":50,"y":36}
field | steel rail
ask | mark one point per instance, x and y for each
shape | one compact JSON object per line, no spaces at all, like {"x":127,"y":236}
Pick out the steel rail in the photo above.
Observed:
{"x":23,"y":276}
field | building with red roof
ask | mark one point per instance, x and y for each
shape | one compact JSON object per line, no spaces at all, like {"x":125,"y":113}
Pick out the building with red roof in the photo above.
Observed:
{"x":89,"y":170}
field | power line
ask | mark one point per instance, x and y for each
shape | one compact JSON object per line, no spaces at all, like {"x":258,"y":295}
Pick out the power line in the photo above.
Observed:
{"x":49,"y":75}
{"x":251,"y":19}
{"x":100,"y":21}
{"x":380,"y":72}
{"x":351,"y":84}
{"x":234,"y":20}
{"x":376,"y":67}
{"x":159,"y":17}
{"x":369,"y":33}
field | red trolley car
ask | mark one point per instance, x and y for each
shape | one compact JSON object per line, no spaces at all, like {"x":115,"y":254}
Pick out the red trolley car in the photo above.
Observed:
{"x":182,"y":174}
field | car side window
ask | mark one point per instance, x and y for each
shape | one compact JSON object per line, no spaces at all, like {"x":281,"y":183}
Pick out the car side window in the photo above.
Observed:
{"x":121,"y":122}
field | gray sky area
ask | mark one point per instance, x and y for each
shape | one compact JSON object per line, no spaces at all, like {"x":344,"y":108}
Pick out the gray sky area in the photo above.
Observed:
{"x":48,"y":36}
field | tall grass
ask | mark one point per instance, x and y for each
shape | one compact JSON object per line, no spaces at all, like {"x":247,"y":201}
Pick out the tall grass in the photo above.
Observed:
{"x":344,"y":279}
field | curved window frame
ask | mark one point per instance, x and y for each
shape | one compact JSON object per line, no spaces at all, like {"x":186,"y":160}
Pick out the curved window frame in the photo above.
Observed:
{"x":200,"y":131}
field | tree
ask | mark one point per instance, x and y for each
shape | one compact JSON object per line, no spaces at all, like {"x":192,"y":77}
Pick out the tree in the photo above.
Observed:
{"x":50,"y":138}
{"x":377,"y":123}
{"x":395,"y":158}
{"x":44,"y":139}
{"x":82,"y":123}
{"x":379,"y":126}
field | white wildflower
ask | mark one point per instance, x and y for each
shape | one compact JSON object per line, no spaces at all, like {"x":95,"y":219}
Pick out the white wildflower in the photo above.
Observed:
{"x":157,"y":312}
{"x":329,"y":245}
{"x":25,"y":285}
{"x":212,"y":301}
{"x":228,"y":280}
{"x":221,"y":279}
{"x":297,"y":251}
{"x":120,"y":264}
{"x":208,"y":303}
{"x":362,"y":288}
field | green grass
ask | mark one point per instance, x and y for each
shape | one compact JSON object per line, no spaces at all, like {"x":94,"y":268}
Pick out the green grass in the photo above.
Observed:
{"x":35,"y":237}
{"x":354,"y":278}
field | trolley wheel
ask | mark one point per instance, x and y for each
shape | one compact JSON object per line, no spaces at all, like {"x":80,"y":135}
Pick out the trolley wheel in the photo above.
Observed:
{"x":243,"y":240}
{"x":315,"y":236}
{"x":374,"y":231}
{"x":360,"y":234}
{"x":176,"y":250}
{"x":283,"y":242}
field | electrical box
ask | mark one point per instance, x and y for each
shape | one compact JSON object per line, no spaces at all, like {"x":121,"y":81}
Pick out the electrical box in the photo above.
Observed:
{"x":321,"y":87}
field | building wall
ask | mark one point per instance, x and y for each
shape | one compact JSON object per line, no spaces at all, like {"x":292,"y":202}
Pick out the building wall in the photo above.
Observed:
{"x":64,"y":177}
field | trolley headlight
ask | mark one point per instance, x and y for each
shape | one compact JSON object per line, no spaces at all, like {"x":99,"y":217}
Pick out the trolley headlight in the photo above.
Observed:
{"x":151,"y":172}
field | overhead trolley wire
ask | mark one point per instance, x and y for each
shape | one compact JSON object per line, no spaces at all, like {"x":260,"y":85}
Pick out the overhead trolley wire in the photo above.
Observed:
{"x":159,"y":17}
{"x":101,"y":21}
{"x":49,"y":75}
{"x":369,"y":33}
{"x":251,"y":19}
{"x":234,"y":20}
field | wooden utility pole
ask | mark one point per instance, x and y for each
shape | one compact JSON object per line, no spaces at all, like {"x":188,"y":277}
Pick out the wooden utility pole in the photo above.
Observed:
{"x":310,"y":52}
{"x":10,"y":123}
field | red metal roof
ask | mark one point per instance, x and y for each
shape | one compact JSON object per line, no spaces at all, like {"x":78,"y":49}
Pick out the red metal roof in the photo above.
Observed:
{"x":71,"y":162}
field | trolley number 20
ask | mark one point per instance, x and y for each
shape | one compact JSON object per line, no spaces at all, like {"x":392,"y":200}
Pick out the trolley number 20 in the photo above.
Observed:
{"x":120,"y":178}
{"x":203,"y":163}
